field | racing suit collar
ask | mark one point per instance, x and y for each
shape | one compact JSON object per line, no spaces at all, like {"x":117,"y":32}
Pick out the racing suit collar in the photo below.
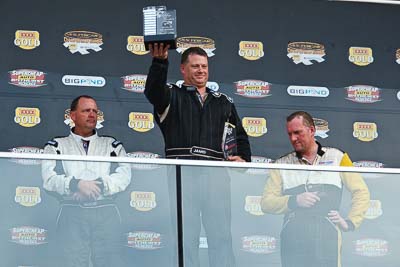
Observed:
{"x":320,"y":152}
{"x":79,"y":138}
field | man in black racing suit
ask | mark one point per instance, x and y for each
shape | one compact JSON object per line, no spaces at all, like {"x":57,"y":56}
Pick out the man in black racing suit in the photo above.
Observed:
{"x":192,"y":120}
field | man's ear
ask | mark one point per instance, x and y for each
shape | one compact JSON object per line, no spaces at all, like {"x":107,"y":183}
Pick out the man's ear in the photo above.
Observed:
{"x":182,"y":69}
{"x":72,"y":115}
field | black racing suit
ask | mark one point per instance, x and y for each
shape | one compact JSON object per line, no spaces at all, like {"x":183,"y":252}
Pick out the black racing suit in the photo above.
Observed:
{"x":186,"y":123}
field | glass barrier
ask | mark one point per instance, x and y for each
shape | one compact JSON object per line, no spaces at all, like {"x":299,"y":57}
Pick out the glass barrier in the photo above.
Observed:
{"x":229,"y":217}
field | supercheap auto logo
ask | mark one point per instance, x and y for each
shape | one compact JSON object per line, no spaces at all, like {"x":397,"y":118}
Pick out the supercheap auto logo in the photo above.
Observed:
{"x":253,"y":88}
{"x":27,"y":78}
{"x":259,"y":159}
{"x":255,"y":127}
{"x":27,"y":40}
{"x":360,"y":56}
{"x":371,"y":247}
{"x":253,"y":206}
{"x":144,"y":155}
{"x":321,"y":127}
{"x":28,"y":235}
{"x":68,"y":121}
{"x":375,"y":209}
{"x":144,"y":240}
{"x":82,"y":41}
{"x":26,"y":149}
{"x":365,"y":131}
{"x":143,"y":201}
{"x":306,"y":52}
{"x":259,"y":244}
{"x":134,"y":83}
{"x":251,"y":50}
{"x":363,"y":94}
{"x":136,"y":45}
{"x":27,"y":196}
{"x":141,"y":122}
{"x":27,"y":117}
{"x":368,"y":164}
{"x":207,"y":44}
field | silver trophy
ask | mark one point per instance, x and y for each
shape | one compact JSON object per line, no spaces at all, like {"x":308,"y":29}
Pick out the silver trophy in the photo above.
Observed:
{"x":159,"y":26}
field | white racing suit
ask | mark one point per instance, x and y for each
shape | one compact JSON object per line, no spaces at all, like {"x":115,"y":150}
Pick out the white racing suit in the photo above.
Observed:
{"x":87,"y":230}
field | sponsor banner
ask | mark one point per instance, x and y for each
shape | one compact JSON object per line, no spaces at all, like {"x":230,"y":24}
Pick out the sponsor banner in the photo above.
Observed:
{"x":365,"y":131}
{"x":255,"y":127}
{"x":134,"y":83}
{"x":27,"y":40}
{"x":259,"y":159}
{"x":136,"y":45}
{"x":28,"y":235}
{"x":82,"y":41}
{"x":253,"y":205}
{"x":360,"y":56}
{"x":203,"y":243}
{"x":253,"y":88}
{"x":310,"y":91}
{"x":363,"y":94}
{"x":141,"y":122}
{"x":87,"y":81}
{"x":144,"y":240}
{"x":27,"y":117}
{"x":371,"y":247}
{"x":27,"y":196}
{"x":68,"y":121}
{"x":370,"y":164}
{"x":321,"y":127}
{"x":183,"y":43}
{"x":251,"y":50}
{"x":143,"y":201}
{"x":26,"y":149}
{"x":214,"y":86}
{"x":375,"y":209}
{"x":144,"y":155}
{"x":27,"y":78}
{"x":259,"y":244}
{"x":306,"y":52}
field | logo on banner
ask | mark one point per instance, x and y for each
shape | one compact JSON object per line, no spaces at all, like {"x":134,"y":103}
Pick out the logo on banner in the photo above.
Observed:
{"x":28,"y":235}
{"x":310,"y":91}
{"x":207,"y":44}
{"x":134,"y":83}
{"x":259,"y":159}
{"x":26,"y":149}
{"x":144,"y":240}
{"x":368,"y":164}
{"x":253,"y":205}
{"x":27,"y":117}
{"x":375,"y":210}
{"x":370,"y":247}
{"x":253,"y":88}
{"x":27,"y":40}
{"x":82,"y":41}
{"x":89,"y":81}
{"x":255,"y":127}
{"x":68,"y":121}
{"x":259,"y":244}
{"x":214,"y":86}
{"x":144,"y":155}
{"x":143,"y":201}
{"x":141,"y":122}
{"x":136,"y":45}
{"x":365,"y":131}
{"x":27,"y":78}
{"x":306,"y":52}
{"x":251,"y":50}
{"x":27,"y":196}
{"x":360,"y":56}
{"x":398,"y":56}
{"x":363,"y":94}
{"x":321,"y":127}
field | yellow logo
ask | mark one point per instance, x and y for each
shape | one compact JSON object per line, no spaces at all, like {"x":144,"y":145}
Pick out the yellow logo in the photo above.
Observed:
{"x":255,"y":127}
{"x":365,"y":131}
{"x":143,"y":201}
{"x":361,"y":56}
{"x":136,"y":45}
{"x":27,"y":196}
{"x":251,"y":50}
{"x":306,"y":52}
{"x":141,"y":122}
{"x":71,"y":124}
{"x":183,"y":43}
{"x":27,"y":40}
{"x":375,"y":209}
{"x":253,"y":206}
{"x":27,"y":117}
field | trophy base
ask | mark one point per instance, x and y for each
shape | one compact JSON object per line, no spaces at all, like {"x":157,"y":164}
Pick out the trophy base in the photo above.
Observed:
{"x":166,"y":39}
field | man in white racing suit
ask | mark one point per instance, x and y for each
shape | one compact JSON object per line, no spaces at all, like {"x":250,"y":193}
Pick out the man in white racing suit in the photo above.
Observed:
{"x":88,"y":222}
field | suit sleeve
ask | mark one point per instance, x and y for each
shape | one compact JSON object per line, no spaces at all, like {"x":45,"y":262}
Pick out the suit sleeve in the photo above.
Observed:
{"x":272,"y":200}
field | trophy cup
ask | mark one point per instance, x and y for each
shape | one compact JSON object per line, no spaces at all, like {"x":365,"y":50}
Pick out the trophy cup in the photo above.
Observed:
{"x":229,"y":144}
{"x":159,"y":26}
